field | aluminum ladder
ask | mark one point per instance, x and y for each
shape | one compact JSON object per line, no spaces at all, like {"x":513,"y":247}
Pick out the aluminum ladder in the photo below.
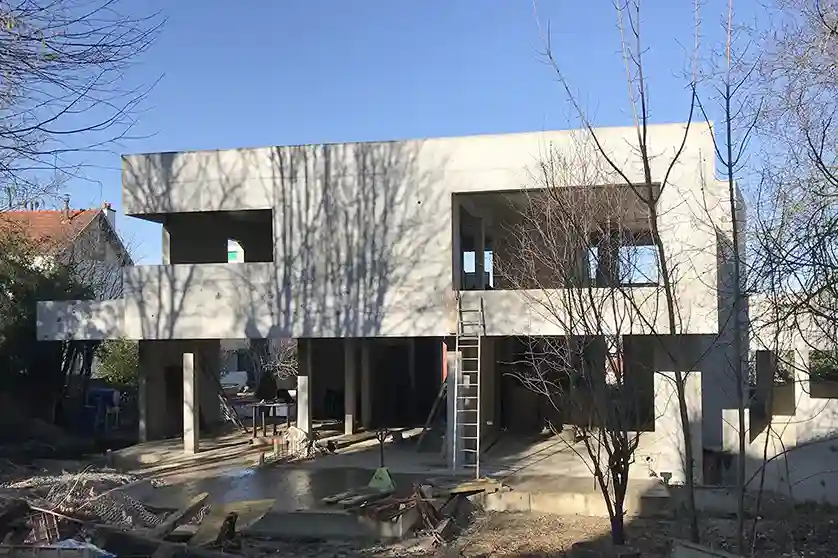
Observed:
{"x":470,"y":329}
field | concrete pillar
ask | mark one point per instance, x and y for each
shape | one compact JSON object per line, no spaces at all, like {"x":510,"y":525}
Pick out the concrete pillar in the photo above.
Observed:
{"x":350,"y":397}
{"x":191,"y":404}
{"x":668,"y":438}
{"x":450,"y":447}
{"x":480,"y":254}
{"x":366,"y":383}
{"x":304,"y":385}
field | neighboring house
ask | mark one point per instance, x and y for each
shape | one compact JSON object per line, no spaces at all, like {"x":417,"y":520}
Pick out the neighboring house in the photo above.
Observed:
{"x":365,"y":253}
{"x":85,"y":239}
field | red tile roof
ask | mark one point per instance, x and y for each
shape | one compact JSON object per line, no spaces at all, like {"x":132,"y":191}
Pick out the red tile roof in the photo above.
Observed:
{"x":52,"y":229}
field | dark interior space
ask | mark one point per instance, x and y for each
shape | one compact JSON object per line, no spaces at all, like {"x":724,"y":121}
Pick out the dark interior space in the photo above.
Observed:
{"x":391,"y":384}
{"x":327,"y":378}
{"x":201,"y":237}
{"x":173,"y":378}
{"x":525,"y":412}
{"x":429,"y":357}
{"x":399,"y":400}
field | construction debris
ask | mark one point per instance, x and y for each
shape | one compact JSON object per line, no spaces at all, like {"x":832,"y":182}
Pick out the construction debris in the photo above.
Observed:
{"x":87,"y":514}
{"x":438,"y":511}
{"x":90,"y":514}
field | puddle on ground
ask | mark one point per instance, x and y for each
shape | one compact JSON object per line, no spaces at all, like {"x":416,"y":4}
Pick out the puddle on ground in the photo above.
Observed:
{"x":237,"y":472}
{"x":293,"y":488}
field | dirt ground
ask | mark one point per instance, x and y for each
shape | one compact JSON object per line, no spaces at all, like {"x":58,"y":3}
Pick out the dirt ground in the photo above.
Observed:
{"x":524,"y":535}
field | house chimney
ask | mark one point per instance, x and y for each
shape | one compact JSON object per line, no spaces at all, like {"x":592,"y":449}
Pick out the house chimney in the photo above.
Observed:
{"x":66,"y":207}
{"x":109,"y":213}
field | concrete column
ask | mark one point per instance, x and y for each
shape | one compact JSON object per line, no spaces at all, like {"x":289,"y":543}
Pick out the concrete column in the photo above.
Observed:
{"x":366,"y":383}
{"x":350,"y":397}
{"x":166,"y":246}
{"x":480,"y":254}
{"x":668,"y":438}
{"x":191,"y":404}
{"x":304,"y":385}
{"x":450,"y":447}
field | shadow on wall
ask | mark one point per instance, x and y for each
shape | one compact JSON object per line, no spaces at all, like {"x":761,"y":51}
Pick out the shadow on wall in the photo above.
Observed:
{"x":361,"y":245}
{"x":794,"y":456}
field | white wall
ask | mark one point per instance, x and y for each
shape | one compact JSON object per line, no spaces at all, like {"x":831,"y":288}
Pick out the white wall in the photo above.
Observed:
{"x":363,"y":233}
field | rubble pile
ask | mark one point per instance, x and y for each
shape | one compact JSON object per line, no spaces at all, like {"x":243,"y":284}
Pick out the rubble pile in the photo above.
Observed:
{"x":87,"y":496}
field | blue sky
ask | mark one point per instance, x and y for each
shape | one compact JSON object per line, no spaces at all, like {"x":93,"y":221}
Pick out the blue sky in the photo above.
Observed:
{"x":271,"y":72}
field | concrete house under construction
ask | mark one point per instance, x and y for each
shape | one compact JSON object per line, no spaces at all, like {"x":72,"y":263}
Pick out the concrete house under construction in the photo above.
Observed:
{"x":383,"y":259}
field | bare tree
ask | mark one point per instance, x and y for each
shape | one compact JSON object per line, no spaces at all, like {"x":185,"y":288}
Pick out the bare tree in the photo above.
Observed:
{"x":728,"y":83}
{"x":578,"y":253}
{"x":796,"y":232}
{"x":62,"y":87}
{"x":277,"y":358}
{"x":647,"y":187}
{"x":271,"y":360}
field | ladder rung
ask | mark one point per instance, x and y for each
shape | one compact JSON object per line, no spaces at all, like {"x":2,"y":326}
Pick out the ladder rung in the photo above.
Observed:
{"x":471,"y":323}
{"x":472,"y":359}
{"x":469,"y":309}
{"x":469,"y":450}
{"x":468,"y":424}
{"x":468,"y":397}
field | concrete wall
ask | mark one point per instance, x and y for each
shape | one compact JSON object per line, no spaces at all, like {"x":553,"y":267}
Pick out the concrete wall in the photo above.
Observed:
{"x":362,"y":235}
{"x":796,"y":454}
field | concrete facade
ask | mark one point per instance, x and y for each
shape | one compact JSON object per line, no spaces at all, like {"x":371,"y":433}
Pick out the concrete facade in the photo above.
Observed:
{"x":356,"y":250}
{"x":355,"y":240}
{"x":791,"y":425}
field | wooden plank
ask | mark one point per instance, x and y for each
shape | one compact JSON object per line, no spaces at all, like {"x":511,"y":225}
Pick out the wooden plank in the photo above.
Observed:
{"x":364,"y":498}
{"x":335,"y":498}
{"x":172,"y":521}
{"x":473,"y":487}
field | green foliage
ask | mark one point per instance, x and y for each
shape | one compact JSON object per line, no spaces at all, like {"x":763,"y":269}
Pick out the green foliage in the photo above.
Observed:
{"x":119,"y":362}
{"x":25,"y":280}
{"x":823,"y":365}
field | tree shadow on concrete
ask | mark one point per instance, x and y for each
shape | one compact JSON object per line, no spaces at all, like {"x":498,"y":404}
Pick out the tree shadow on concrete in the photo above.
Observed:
{"x":359,"y":245}
{"x":360,"y":236}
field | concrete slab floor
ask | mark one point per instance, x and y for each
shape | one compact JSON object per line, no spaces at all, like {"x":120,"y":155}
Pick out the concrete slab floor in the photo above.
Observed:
{"x":293,"y":487}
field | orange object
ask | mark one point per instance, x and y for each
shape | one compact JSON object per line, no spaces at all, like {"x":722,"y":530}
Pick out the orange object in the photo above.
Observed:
{"x":444,"y":361}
